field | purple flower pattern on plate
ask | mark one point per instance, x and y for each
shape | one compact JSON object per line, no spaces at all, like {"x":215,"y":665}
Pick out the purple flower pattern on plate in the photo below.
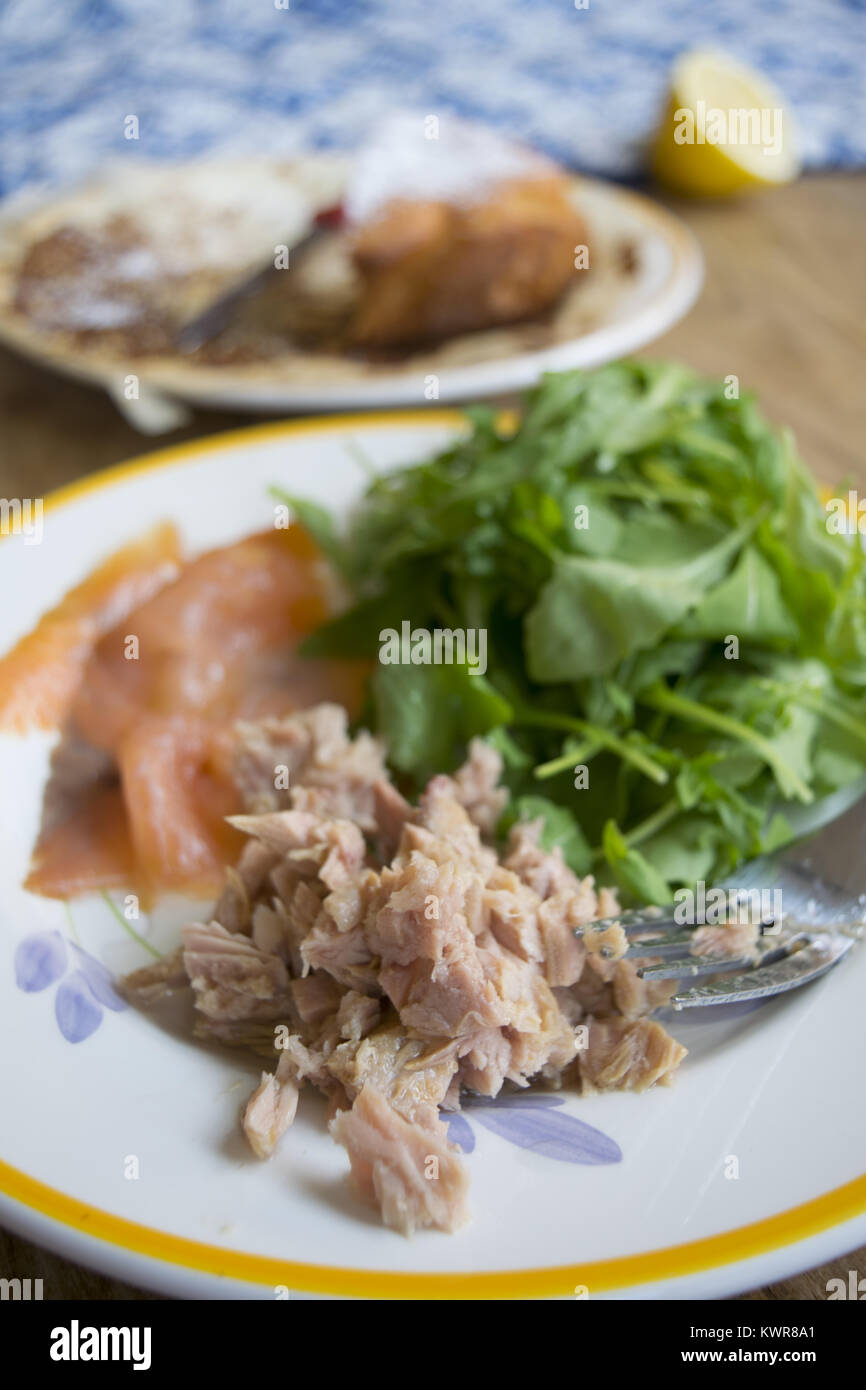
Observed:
{"x":534,"y":1122}
{"x":84,"y":992}
{"x":40,"y":960}
{"x":99,"y":981}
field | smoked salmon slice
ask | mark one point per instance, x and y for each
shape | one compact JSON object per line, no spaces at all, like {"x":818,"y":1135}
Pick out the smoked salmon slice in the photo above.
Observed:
{"x":217,"y":642}
{"x":40,"y":676}
{"x":156,"y":686}
{"x":89,"y":850}
{"x":176,"y":807}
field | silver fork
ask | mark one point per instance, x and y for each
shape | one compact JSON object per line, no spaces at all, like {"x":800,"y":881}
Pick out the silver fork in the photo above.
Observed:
{"x":815,"y":890}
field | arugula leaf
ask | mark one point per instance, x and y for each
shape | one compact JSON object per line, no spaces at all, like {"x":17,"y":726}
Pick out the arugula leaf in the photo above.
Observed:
{"x":594,"y":612}
{"x":632,"y":870}
{"x":605,"y":639}
{"x":355,"y":634}
{"x":429,"y":713}
{"x":318,"y":522}
{"x":747,"y":604}
{"x":687,"y":851}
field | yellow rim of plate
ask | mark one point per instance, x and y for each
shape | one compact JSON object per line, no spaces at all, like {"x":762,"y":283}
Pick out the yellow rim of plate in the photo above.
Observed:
{"x":599,"y":1276}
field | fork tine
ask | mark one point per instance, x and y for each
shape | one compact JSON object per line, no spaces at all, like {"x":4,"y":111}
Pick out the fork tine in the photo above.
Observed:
{"x":684,"y":967}
{"x":797,"y":967}
{"x":637,"y":919}
{"x":666,"y":944}
{"x":660,"y":919}
{"x":765,"y":950}
{"x":669,"y":944}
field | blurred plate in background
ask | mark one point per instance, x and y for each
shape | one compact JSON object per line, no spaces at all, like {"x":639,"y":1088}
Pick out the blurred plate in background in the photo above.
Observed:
{"x":645,"y":273}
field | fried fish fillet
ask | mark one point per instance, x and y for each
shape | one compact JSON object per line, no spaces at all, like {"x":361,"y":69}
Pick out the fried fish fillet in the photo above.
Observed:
{"x":432,"y":269}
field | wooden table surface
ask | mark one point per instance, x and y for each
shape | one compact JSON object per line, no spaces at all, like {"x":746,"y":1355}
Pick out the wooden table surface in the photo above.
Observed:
{"x":784,"y":309}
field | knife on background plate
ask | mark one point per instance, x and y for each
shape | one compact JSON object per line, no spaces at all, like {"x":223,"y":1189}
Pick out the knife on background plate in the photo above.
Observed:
{"x":207,"y":324}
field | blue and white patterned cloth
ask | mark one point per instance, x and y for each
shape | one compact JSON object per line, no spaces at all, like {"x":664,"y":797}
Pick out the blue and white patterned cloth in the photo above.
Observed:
{"x":275,"y":76}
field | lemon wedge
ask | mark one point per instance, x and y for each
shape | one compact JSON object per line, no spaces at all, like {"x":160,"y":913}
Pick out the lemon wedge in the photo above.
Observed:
{"x":726,"y":128}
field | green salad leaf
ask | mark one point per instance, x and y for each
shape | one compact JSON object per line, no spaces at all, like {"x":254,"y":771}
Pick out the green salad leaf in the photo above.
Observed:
{"x":592,"y":613}
{"x":676,"y":642}
{"x":429,"y":714}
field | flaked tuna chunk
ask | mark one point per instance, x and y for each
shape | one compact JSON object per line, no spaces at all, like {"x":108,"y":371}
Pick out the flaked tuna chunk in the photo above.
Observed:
{"x":511,"y":914}
{"x":450,"y":999}
{"x":231,"y":978}
{"x":612,"y":942}
{"x":485,"y":1061}
{"x":563,"y":952}
{"x":629,"y":991}
{"x":538,"y":1035}
{"x":342,"y":773}
{"x":343,"y":954}
{"x":301,"y":911}
{"x":422,"y":903}
{"x":316,"y":997}
{"x":299,"y":1062}
{"x":243,"y":884}
{"x":545,"y":871}
{"x":344,"y":854}
{"x":258,"y":1036}
{"x":442,"y":830}
{"x":349,"y":903}
{"x":298,"y":833}
{"x":269,"y":933}
{"x":261,"y":746}
{"x":417,"y":839}
{"x":451,"y":1099}
{"x":233,"y":908}
{"x":412,"y":1074}
{"x":357,"y":1015}
{"x":730,"y":938}
{"x":477,"y":786}
{"x":571,"y":1009}
{"x":393,"y":988}
{"x":513,"y":982}
{"x":326,"y":771}
{"x":594,"y":988}
{"x":330,"y":849}
{"x":627,"y":1056}
{"x":256,"y":766}
{"x":279,"y":929}
{"x":272,"y":1106}
{"x":391,"y":811}
{"x":634,"y":997}
{"x":268,"y":1113}
{"x":326,"y":802}
{"x":430,"y":965}
{"x":407,"y":1169}
{"x":544,"y":1047}
{"x":153,"y":982}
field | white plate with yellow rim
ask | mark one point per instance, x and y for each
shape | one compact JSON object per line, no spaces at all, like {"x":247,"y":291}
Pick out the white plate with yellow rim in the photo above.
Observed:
{"x":122,"y":1150}
{"x":641,"y":272}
